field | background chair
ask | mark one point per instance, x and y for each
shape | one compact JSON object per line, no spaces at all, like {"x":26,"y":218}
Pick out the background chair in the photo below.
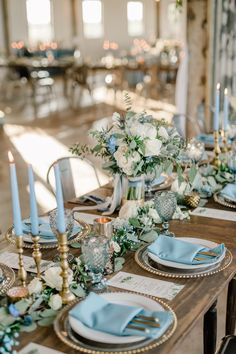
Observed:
{"x":228,"y":345}
{"x":78,"y":177}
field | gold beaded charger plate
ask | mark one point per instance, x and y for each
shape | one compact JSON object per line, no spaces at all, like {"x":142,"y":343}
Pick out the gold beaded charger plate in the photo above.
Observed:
{"x":218,"y":198}
{"x":84,"y":231}
{"x":144,"y":261}
{"x":78,"y":342}
{"x":7,"y":278}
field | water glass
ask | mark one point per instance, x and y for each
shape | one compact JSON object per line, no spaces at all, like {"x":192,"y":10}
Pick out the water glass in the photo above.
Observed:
{"x":231,"y":161}
{"x":165,"y":203}
{"x":95,"y":251}
{"x":69,"y":221}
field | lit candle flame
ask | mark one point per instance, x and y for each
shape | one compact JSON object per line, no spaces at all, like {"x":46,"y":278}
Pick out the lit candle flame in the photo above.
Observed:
{"x":218,"y":86}
{"x":10,"y":157}
{"x":226,"y":92}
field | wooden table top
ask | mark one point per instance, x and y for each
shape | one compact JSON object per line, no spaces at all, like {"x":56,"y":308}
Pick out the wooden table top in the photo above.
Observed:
{"x":189,"y":305}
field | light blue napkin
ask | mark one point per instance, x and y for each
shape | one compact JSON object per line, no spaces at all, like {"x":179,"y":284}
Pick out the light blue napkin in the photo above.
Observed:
{"x":229,"y":192}
{"x":175,"y":250}
{"x":97,"y":313}
{"x":158,"y":180}
{"x":44,"y":228}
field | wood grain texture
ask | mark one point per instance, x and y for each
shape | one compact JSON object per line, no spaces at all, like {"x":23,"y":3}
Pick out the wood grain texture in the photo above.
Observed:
{"x":191,"y":304}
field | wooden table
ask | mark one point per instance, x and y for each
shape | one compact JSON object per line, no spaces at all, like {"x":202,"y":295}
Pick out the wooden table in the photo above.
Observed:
{"x":196,"y":300}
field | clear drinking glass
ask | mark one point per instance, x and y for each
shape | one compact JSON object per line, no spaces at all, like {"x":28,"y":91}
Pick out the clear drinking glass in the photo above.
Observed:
{"x":69,"y":221}
{"x":231,"y":160}
{"x":165,"y":203}
{"x":95,"y":250}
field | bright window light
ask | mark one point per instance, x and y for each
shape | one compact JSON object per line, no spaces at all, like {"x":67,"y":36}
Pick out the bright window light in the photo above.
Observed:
{"x":39,"y":21}
{"x":135,"y":18}
{"x":92,"y":18}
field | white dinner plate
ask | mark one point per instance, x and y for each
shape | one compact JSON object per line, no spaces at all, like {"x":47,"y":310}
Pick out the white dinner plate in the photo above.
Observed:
{"x":204,"y":243}
{"x":116,"y":298}
{"x":230,"y":198}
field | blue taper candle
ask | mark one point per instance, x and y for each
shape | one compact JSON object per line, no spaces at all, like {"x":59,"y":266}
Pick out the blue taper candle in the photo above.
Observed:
{"x":33,"y":204}
{"x":226,"y":110}
{"x":61,"y":227}
{"x":15,"y":197}
{"x":217,"y":108}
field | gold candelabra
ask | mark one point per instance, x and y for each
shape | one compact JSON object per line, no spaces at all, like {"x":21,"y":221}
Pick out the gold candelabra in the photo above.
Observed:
{"x":225,"y":141}
{"x":65,"y":293}
{"x":216,"y":160}
{"x":22,"y":274}
{"x":37,"y":255}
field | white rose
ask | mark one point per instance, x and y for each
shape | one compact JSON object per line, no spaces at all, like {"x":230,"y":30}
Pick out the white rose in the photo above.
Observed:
{"x":35,"y":286}
{"x":55,"y":302}
{"x":126,"y":163}
{"x":128,"y":210}
{"x":53,"y":279}
{"x":180,"y":189}
{"x":154,"y":215}
{"x":115,"y":246}
{"x":162,"y":132}
{"x":152,"y":147}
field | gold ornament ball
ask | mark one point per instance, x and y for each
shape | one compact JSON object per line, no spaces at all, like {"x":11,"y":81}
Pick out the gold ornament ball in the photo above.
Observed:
{"x":192,"y":200}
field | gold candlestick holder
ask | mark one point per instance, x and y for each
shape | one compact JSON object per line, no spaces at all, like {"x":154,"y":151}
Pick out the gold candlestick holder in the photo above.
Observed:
{"x":216,"y":160}
{"x":37,"y":255}
{"x":225,"y":141}
{"x":22,"y":274}
{"x":65,"y":293}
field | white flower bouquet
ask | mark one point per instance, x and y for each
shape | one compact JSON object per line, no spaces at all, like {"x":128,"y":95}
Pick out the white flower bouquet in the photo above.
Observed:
{"x":135,"y":144}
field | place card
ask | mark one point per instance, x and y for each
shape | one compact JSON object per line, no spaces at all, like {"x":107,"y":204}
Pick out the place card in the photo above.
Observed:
{"x":86,"y":217}
{"x":214,"y":213}
{"x":145,"y":285}
{"x":33,"y":348}
{"x":11,"y":259}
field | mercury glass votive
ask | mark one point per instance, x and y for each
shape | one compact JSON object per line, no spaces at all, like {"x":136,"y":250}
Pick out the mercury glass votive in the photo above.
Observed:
{"x":103,"y":226}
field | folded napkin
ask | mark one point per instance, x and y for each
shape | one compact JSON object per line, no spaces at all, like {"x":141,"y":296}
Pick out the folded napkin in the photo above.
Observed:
{"x":97,"y":313}
{"x":229,"y":192}
{"x":175,"y":250}
{"x":44,"y":228}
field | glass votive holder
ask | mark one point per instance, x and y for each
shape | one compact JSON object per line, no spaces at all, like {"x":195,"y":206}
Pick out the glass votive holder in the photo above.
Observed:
{"x":103,"y":226}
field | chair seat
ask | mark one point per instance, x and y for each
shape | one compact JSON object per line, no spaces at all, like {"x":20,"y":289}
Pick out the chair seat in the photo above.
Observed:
{"x":228,"y":345}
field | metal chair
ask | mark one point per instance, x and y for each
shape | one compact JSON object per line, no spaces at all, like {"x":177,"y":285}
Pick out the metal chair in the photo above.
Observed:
{"x":78,"y":177}
{"x":228,"y":345}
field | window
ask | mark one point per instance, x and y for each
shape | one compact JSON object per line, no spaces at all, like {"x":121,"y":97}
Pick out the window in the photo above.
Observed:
{"x":92,"y":18}
{"x":39,"y":21}
{"x":135,"y":18}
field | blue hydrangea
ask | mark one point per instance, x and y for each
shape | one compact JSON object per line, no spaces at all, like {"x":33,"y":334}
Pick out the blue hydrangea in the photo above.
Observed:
{"x":111,"y":144}
{"x":13,"y":310}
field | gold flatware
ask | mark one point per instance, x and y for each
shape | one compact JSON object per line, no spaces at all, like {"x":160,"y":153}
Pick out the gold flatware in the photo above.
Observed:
{"x":137,"y":328}
{"x":147,"y":323}
{"x":149,"y":318}
{"x":208,"y":253}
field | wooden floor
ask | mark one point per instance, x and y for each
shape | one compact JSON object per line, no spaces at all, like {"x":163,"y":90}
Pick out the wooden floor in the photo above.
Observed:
{"x":42,"y":139}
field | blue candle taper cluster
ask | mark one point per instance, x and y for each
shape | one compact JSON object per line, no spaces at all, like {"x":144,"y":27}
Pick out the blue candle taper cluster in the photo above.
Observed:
{"x":33,"y":202}
{"x":216,"y":121}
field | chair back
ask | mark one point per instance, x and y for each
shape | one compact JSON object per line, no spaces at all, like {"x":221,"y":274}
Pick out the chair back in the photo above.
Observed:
{"x":78,"y":177}
{"x":228,"y":345}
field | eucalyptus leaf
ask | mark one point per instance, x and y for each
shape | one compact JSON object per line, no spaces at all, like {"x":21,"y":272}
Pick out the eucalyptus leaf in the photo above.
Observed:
{"x":48,"y":313}
{"x":36,"y":305}
{"x":134,"y":222}
{"x":22,"y":306}
{"x":78,"y":291}
{"x":45,"y":322}
{"x":7,"y":320}
{"x":35,"y":315}
{"x":30,"y":328}
{"x":133,"y":144}
{"x":202,"y":202}
{"x":75,"y":245}
{"x":119,"y":261}
{"x":192,"y":173}
{"x":149,"y":236}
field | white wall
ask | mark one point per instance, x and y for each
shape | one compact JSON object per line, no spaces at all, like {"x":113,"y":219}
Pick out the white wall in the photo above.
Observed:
{"x":115,"y":24}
